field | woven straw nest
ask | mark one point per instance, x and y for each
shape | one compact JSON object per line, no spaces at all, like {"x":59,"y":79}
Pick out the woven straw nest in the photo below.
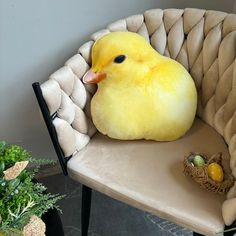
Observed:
{"x":200,"y":174}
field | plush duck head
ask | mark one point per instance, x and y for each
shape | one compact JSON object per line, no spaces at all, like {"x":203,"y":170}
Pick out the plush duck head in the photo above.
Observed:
{"x":141,"y":94}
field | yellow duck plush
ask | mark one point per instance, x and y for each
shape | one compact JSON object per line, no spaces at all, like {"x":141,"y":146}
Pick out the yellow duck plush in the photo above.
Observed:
{"x":141,"y":94}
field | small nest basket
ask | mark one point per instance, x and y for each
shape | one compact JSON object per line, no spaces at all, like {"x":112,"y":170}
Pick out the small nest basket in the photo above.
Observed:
{"x":200,"y":174}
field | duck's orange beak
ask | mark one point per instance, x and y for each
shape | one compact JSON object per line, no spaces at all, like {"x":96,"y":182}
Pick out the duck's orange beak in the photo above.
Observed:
{"x":93,"y":78}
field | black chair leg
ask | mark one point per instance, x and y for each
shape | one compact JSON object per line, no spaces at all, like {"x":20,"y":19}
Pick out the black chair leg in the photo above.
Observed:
{"x":229,"y":230}
{"x":85,"y":209}
{"x":197,"y":234}
{"x":230,"y":233}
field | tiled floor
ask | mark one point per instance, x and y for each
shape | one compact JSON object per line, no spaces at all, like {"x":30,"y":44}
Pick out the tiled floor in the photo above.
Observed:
{"x":108,"y":216}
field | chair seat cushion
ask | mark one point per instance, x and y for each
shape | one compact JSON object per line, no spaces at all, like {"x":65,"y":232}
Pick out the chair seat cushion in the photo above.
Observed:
{"x":149,"y":175}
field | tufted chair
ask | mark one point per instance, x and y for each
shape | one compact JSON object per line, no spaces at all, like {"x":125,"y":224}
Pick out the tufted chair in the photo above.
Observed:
{"x":147,"y":174}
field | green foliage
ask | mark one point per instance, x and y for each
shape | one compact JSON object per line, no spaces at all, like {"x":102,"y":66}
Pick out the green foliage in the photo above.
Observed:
{"x":11,"y":232}
{"x":40,"y":162}
{"x":10,"y":154}
{"x":22,"y":197}
{"x":3,"y":145}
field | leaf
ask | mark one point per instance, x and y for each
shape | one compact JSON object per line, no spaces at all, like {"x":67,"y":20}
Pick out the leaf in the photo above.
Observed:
{"x":2,"y":166}
{"x":3,"y":145}
{"x":14,"y":171}
{"x":13,"y":183}
{"x":12,"y":214}
{"x":10,"y":232}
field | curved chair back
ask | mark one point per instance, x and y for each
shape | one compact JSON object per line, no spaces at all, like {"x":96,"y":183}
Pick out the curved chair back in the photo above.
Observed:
{"x":203,"y":41}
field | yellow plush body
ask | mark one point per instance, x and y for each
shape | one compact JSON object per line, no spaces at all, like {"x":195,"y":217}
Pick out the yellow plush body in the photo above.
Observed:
{"x":147,"y":96}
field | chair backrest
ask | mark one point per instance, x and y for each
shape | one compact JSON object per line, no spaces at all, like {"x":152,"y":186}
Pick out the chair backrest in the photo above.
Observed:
{"x":203,"y":41}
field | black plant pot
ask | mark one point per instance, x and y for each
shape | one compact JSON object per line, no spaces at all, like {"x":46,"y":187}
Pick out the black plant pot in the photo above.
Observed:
{"x":53,"y":223}
{"x":52,"y":220}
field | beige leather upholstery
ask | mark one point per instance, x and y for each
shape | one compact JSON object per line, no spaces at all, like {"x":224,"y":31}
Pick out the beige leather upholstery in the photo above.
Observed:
{"x":149,"y":175}
{"x":203,"y":41}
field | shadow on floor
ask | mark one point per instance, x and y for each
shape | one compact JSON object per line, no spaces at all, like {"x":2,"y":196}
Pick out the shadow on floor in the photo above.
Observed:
{"x":108,"y":216}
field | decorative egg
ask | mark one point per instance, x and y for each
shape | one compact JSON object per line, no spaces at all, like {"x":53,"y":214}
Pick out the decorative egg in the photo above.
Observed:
{"x":215,"y":172}
{"x":198,"y":161}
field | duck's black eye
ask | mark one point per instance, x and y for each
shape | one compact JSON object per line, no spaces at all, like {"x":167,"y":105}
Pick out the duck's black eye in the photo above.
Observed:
{"x":119,"y":59}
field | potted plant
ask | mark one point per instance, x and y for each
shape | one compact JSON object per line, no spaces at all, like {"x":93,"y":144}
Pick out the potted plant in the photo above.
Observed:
{"x":23,"y":201}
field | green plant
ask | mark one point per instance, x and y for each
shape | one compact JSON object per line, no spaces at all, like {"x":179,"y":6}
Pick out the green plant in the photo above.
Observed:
{"x":21,"y":197}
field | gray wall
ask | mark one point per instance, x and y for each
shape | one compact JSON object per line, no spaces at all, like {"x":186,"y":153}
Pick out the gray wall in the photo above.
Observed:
{"x":36,"y":38}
